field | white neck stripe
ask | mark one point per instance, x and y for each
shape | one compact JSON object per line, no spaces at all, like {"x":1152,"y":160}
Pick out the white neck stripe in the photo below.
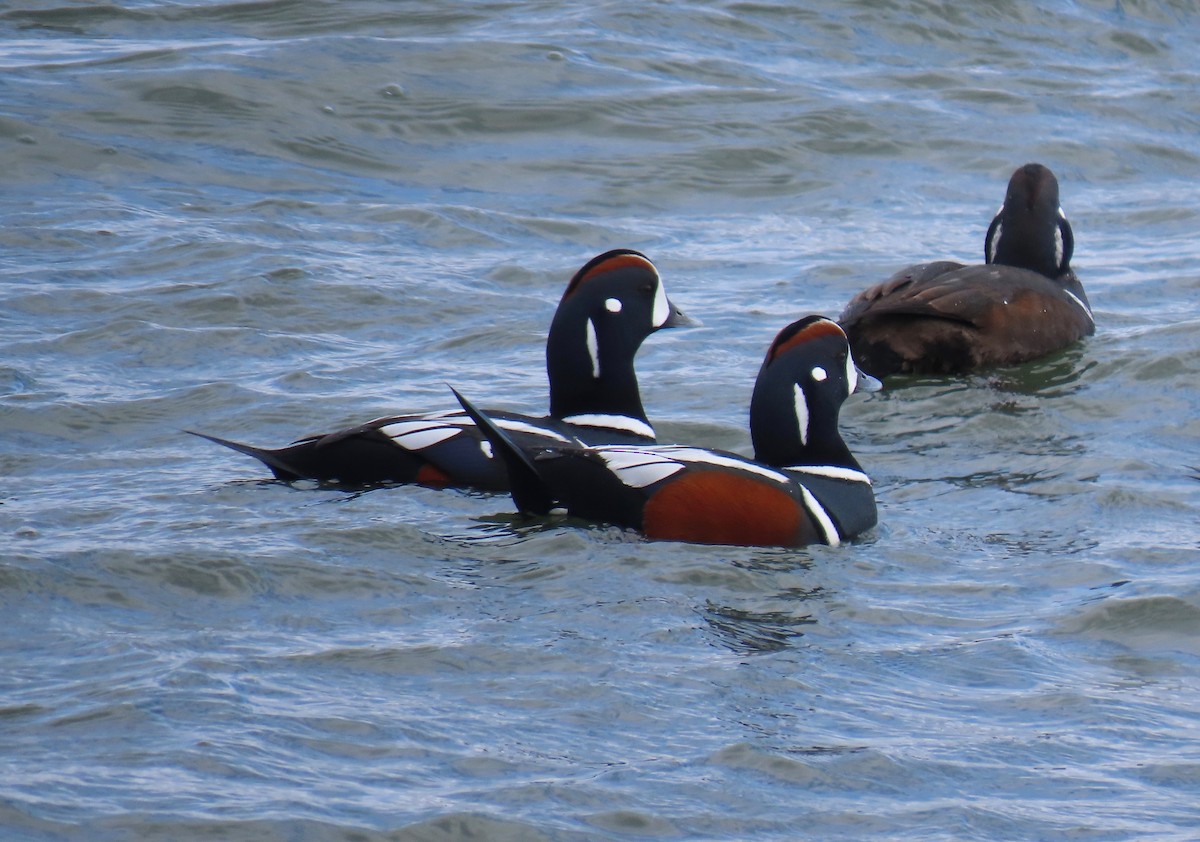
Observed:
{"x":831,"y":471}
{"x":801,"y":404}
{"x":612,"y":422}
{"x":593,"y":348}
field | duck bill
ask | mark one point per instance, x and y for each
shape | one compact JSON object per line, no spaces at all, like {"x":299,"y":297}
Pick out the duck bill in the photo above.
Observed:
{"x":678,"y":318}
{"x":867,"y":383}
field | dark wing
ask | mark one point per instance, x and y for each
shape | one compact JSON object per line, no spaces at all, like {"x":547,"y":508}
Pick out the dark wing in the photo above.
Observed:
{"x":975,"y":295}
{"x":961,"y":319}
{"x":914,"y":290}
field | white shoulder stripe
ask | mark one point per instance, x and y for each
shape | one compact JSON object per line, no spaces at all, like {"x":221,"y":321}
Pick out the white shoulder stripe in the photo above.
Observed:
{"x":682,"y":456}
{"x":514,"y":426}
{"x":696,"y":455}
{"x":831,"y":471}
{"x":824,"y":522}
{"x":639,"y":468}
{"x":1082,"y":306}
{"x":417,"y":435}
{"x":612,"y":422}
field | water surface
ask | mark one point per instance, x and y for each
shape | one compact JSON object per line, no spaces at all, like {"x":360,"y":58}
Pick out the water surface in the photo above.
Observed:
{"x":273,"y":218}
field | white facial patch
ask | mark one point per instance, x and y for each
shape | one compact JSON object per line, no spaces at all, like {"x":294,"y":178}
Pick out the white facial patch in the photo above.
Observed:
{"x":613,"y":305}
{"x":593,"y":348}
{"x":486,"y":447}
{"x":801,"y":413}
{"x":662,"y":307}
{"x":819,"y":374}
{"x":851,"y":375}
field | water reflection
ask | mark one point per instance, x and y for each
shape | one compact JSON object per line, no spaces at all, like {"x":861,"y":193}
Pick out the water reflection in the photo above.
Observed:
{"x":755,"y":632}
{"x":773,"y":617}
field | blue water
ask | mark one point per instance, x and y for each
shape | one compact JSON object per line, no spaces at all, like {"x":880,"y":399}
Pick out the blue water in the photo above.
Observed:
{"x":274,"y":218}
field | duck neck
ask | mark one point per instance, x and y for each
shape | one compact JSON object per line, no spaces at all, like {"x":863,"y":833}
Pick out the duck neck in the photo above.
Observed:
{"x":808,"y":436}
{"x":591,"y":371}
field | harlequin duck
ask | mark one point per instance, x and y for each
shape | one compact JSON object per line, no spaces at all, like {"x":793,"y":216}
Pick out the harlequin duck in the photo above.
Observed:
{"x":610,"y":306}
{"x":803,"y":487}
{"x":945,"y":318}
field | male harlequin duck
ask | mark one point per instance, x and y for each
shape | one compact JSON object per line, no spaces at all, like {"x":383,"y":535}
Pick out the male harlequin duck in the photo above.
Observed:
{"x":610,"y":306}
{"x":945,"y":318}
{"x":803,"y":486}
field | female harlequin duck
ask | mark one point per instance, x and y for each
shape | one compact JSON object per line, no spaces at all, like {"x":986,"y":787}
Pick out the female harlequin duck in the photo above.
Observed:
{"x":803,"y":487}
{"x":610,"y":306}
{"x":944,"y":317}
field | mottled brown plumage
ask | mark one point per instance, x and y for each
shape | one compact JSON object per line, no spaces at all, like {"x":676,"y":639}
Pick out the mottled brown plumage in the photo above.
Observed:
{"x":946,"y":317}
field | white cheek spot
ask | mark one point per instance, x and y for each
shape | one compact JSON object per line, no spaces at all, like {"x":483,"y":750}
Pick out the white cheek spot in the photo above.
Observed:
{"x":613,"y":305}
{"x":851,"y":375}
{"x":1058,"y":243}
{"x":662,"y":307}
{"x":486,"y":447}
{"x":593,"y":348}
{"x":801,"y":413}
{"x":995,"y":244}
{"x":819,"y":374}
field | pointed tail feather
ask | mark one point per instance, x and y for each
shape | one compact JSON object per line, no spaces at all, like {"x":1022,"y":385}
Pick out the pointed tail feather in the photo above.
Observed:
{"x":270,"y":458}
{"x":528,"y":489}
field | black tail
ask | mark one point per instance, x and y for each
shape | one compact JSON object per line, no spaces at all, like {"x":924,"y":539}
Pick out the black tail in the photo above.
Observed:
{"x":270,"y":458}
{"x":529,"y":491}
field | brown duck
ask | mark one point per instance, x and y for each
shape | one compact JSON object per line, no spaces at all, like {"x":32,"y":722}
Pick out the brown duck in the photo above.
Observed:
{"x":945,"y":317}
